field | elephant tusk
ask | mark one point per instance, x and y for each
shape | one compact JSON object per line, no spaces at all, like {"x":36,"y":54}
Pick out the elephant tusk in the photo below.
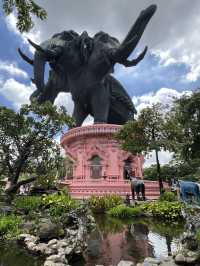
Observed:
{"x":25,"y":57}
{"x":36,"y":46}
{"x":121,"y":54}
{"x":134,"y":62}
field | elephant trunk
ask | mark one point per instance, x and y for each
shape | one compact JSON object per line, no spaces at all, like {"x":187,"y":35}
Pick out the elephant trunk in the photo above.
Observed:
{"x":121,"y":54}
{"x":39,"y":69}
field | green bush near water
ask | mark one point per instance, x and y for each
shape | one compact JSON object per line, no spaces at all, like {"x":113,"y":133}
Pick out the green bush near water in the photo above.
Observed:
{"x":10,"y":226}
{"x":198,"y":235}
{"x":164,"y":210}
{"x":57,"y":204}
{"x":105,"y":203}
{"x":124,"y":212}
{"x":28,"y":203}
{"x":168,"y":196}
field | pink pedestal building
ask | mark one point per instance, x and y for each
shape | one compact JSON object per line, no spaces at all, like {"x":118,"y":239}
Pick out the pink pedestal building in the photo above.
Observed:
{"x":97,"y":154}
{"x":96,"y":163}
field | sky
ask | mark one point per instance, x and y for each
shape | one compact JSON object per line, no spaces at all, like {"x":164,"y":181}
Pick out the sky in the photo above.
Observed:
{"x":170,"y":68}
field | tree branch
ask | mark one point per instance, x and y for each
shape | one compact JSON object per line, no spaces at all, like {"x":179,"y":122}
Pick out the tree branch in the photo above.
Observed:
{"x":26,"y":181}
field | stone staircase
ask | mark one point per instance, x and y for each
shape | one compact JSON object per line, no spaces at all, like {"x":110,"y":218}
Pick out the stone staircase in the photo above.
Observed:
{"x":82,"y":189}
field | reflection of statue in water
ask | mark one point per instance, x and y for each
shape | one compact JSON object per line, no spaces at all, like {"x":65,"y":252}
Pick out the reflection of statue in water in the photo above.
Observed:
{"x":82,"y":66}
{"x":137,"y":240}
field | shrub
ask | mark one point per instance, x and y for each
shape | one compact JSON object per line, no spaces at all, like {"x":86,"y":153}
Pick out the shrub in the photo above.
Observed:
{"x":28,"y":203}
{"x":124,"y":212}
{"x":105,"y":203}
{"x":9,"y":226}
{"x":59,"y":204}
{"x":198,"y":235}
{"x":164,"y":210}
{"x":168,"y":196}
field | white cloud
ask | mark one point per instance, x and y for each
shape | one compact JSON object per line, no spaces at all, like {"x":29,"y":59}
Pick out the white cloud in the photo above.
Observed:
{"x":88,"y":121}
{"x":12,"y":69}
{"x":165,"y":96}
{"x":164,"y":157}
{"x":34,"y":34}
{"x":16,"y":92}
{"x":165,"y":57}
{"x":65,"y":99}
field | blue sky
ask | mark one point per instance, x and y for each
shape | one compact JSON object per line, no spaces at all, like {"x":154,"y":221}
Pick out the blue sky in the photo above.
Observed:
{"x":171,"y":66}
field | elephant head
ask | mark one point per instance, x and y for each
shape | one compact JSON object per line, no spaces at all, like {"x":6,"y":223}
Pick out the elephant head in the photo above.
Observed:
{"x":48,"y":51}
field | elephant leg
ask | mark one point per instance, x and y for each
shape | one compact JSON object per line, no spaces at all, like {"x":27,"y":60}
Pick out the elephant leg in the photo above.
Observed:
{"x":137,"y":190}
{"x":133,"y":192}
{"x":143,"y":191}
{"x":100,"y":103}
{"x":79,"y":114}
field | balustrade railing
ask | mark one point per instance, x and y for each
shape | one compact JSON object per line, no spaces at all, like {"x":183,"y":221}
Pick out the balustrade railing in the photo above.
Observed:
{"x":91,"y":130}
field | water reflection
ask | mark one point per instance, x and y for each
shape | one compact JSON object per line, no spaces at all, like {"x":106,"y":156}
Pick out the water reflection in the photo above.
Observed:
{"x":133,"y":240}
{"x":12,"y":255}
{"x":112,"y":241}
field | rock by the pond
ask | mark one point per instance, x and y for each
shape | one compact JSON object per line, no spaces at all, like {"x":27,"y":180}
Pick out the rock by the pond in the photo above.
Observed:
{"x":151,"y":261}
{"x":28,"y":227}
{"x":28,"y":238}
{"x":51,"y":263}
{"x":180,"y":258}
{"x":167,"y":261}
{"x":48,"y":230}
{"x":56,"y":243}
{"x":57,"y":259}
{"x":125,"y":263}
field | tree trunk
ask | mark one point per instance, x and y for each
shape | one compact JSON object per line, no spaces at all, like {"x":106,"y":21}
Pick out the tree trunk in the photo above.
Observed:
{"x":159,"y":173}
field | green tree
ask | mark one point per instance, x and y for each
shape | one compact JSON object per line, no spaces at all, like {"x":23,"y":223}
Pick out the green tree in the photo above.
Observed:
{"x":24,"y":10}
{"x":146,"y":134}
{"x":183,"y":127}
{"x":27,"y":144}
{"x":167,"y":172}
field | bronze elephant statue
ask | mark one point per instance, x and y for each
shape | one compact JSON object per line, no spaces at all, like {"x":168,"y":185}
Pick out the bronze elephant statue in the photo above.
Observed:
{"x":83,"y":66}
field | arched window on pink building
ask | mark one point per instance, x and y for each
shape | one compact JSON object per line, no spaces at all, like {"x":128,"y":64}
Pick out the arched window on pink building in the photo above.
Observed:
{"x":96,"y":167}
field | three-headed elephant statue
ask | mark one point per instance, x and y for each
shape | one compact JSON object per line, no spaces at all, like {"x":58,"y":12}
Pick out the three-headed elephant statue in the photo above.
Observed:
{"x":83,"y":66}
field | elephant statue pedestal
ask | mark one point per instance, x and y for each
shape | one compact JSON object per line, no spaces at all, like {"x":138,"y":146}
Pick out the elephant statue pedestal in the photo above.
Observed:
{"x":97,"y":162}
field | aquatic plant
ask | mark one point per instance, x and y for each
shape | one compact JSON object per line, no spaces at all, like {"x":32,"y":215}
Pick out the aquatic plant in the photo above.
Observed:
{"x":59,"y":204}
{"x":10,"y":226}
{"x":198,"y":235}
{"x":28,"y":203}
{"x":164,"y":210}
{"x":125,"y":212}
{"x":105,"y":203}
{"x":168,"y":196}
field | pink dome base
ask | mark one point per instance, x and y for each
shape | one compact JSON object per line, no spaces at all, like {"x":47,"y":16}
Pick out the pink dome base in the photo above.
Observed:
{"x":99,"y":163}
{"x":84,"y":143}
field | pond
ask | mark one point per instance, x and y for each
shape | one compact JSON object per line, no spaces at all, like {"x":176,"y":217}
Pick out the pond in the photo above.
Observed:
{"x":112,"y":241}
{"x":12,"y":255}
{"x":134,"y":240}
